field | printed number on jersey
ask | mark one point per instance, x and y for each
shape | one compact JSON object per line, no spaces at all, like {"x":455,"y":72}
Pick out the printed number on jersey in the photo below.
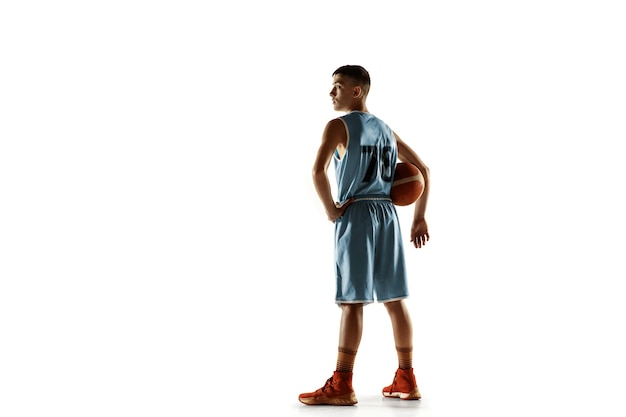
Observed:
{"x":379,"y":163}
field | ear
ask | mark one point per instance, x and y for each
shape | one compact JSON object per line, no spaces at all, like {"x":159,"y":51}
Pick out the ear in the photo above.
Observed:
{"x":356,"y":93}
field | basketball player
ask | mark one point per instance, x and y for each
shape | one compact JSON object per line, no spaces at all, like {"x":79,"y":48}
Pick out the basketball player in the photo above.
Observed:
{"x":369,"y":251}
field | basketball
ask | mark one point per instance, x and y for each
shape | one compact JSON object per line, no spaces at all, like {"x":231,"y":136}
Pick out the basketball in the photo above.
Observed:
{"x":408,"y":184}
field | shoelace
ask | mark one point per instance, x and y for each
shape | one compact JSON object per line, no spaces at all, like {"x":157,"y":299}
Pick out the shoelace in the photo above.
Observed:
{"x":328,"y":384}
{"x":395,"y":377}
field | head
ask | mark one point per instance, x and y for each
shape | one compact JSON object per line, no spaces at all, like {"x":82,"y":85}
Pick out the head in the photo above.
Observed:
{"x":351,"y":84}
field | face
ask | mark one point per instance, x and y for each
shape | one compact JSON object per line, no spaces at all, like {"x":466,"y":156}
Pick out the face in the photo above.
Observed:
{"x":342,"y":93}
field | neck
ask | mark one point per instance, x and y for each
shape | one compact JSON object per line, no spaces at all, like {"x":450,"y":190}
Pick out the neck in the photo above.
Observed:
{"x":362,"y":108}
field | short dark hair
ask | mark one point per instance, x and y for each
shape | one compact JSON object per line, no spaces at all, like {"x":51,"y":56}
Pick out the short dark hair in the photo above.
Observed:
{"x":357,"y":73}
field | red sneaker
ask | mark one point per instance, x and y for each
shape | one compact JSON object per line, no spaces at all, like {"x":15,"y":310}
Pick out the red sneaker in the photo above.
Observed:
{"x":403,"y":386}
{"x":336,"y":391}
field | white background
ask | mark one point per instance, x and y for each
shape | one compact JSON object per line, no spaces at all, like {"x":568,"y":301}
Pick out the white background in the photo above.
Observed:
{"x":163,"y":249}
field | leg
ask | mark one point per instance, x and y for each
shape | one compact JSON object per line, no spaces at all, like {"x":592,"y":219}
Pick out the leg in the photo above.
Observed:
{"x":402,"y":326}
{"x":350,"y":332}
{"x":338,"y":389}
{"x":351,"y":326}
{"x":404,"y":385}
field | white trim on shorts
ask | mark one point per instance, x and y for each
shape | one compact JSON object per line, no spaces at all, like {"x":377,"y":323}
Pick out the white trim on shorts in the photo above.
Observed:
{"x":390,"y":300}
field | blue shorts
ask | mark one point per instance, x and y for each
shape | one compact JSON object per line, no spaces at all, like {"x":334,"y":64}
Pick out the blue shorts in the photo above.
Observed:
{"x":369,"y":254}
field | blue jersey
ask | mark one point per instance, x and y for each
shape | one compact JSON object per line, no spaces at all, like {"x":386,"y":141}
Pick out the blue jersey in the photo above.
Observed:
{"x":367,"y":167}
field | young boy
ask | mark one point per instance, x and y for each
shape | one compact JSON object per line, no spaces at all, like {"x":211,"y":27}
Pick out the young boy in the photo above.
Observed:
{"x":369,"y":252}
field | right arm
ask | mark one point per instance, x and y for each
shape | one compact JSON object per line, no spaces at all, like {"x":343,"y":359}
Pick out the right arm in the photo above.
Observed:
{"x":419,"y":228}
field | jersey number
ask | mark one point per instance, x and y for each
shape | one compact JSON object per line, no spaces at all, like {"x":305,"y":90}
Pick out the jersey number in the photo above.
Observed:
{"x":385,"y":163}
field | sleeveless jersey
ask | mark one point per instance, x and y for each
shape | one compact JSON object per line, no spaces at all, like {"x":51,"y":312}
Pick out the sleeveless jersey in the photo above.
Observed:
{"x":367,"y":167}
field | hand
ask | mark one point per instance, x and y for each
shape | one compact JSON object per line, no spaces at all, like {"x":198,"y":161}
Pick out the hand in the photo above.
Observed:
{"x":339,"y":210}
{"x":419,"y":233}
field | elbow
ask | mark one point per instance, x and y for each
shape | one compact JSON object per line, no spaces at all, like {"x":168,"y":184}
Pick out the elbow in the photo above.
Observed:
{"x":318,"y":171}
{"x":425,"y":171}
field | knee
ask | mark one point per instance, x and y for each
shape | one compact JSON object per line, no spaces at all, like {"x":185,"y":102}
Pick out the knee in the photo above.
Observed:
{"x":352,"y":307}
{"x":395,"y":307}
{"x":390,"y":305}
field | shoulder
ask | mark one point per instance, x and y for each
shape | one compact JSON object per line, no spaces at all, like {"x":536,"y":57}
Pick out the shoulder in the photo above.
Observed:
{"x":336,"y":125}
{"x":384,"y":124}
{"x":378,"y":119}
{"x":335,"y":131}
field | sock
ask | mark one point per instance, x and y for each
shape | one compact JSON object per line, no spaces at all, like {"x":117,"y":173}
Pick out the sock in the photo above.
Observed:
{"x":405,"y":357}
{"x":345,"y":360}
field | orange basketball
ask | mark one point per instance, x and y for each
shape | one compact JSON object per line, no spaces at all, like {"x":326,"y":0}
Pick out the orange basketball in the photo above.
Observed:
{"x":408,"y":184}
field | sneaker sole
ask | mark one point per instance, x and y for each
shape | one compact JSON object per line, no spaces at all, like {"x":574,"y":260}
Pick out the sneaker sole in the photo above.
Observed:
{"x":349,"y":399}
{"x":413,"y":395}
